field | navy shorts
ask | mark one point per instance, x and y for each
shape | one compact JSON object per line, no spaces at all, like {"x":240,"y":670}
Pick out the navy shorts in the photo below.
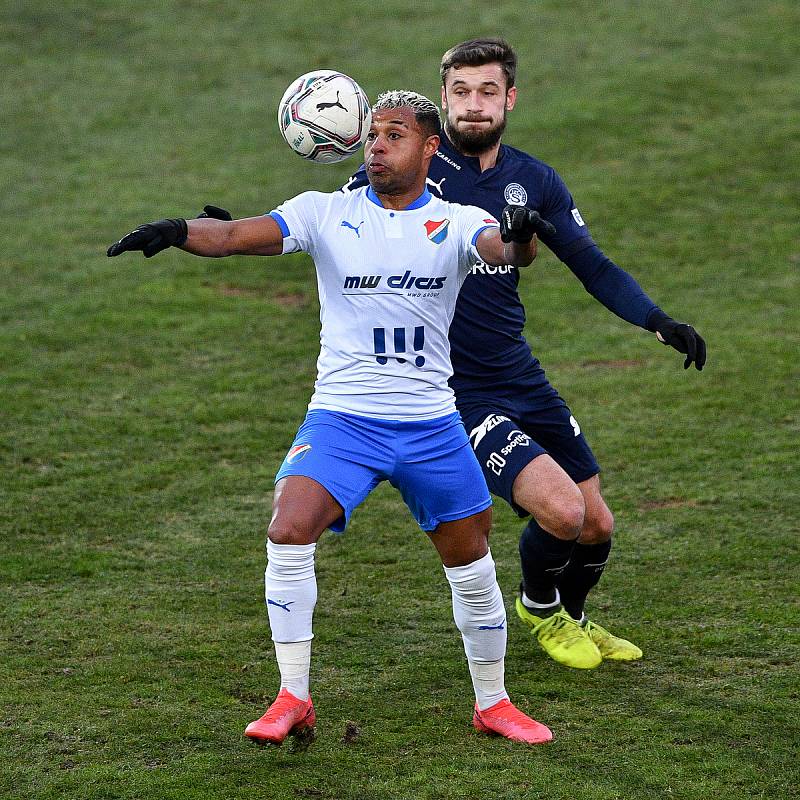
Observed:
{"x":430,"y":462}
{"x":508,"y":433}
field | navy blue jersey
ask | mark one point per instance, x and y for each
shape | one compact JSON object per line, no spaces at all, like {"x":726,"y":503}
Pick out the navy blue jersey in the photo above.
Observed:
{"x":488,"y":349}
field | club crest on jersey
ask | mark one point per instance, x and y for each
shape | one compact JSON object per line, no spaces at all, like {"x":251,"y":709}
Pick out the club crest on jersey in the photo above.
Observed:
{"x":437,"y":231}
{"x":297,"y":453}
{"x":515,"y":194}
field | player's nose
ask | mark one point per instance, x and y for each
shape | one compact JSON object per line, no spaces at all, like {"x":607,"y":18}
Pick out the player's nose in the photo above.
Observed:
{"x":378,"y":144}
{"x":474,"y":102}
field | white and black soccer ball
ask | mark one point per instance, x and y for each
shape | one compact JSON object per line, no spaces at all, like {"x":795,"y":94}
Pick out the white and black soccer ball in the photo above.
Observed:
{"x":324,"y":116}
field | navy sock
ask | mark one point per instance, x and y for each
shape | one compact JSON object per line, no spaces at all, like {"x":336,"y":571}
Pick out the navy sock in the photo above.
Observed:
{"x":543,"y":557}
{"x":581,"y":575}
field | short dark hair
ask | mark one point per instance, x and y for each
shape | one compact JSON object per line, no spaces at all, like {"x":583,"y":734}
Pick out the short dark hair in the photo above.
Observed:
{"x":425,"y":112}
{"x":477,"y":52}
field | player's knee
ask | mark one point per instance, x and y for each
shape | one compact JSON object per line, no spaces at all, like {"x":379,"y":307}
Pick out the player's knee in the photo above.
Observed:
{"x":598,"y":526}
{"x":562,"y":514}
{"x":569,"y":518}
{"x":289,"y":531}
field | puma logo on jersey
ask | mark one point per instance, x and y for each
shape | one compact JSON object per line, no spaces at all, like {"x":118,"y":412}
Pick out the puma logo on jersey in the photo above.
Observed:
{"x":346,"y":224}
{"x":437,"y":186}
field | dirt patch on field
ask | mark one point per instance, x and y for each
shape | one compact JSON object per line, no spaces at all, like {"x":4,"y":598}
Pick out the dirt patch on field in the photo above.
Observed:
{"x":291,"y":299}
{"x":668,"y":502}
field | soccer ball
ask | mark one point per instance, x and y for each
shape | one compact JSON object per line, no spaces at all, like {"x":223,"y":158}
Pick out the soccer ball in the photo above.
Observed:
{"x":324,"y":116}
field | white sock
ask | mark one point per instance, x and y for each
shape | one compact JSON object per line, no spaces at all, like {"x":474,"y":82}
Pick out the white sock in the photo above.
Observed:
{"x":480,"y":616}
{"x":290,"y":590}
{"x":528,"y":603}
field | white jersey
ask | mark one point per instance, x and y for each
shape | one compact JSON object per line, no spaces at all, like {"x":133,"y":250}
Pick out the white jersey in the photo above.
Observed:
{"x":388,"y":282}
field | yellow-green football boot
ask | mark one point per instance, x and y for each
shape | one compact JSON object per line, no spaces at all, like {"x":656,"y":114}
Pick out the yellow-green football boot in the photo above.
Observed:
{"x":612,"y":648}
{"x":562,"y":638}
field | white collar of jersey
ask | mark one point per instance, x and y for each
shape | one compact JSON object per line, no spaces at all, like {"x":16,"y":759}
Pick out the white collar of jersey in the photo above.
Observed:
{"x":422,"y":200}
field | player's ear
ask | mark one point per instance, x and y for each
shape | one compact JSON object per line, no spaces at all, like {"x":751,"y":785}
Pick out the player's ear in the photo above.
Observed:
{"x":511,"y":98}
{"x":444,"y":99}
{"x":431,"y":146}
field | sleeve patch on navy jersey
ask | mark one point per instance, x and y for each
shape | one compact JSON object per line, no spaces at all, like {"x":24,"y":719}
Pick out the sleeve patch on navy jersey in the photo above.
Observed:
{"x":576,"y":215}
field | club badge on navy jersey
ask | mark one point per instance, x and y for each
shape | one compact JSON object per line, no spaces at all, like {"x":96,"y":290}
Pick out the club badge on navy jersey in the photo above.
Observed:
{"x":515,"y":194}
{"x":437,"y":231}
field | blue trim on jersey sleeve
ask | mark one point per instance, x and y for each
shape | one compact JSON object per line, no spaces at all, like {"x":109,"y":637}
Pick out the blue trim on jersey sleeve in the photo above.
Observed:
{"x":479,"y":232}
{"x":281,"y":223}
{"x":422,"y":200}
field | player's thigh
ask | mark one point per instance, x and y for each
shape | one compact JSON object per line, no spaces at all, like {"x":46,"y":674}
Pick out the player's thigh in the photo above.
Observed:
{"x":437,"y":473}
{"x":503,"y":450}
{"x":302,"y":509}
{"x":546,"y":492}
{"x":340,"y":453}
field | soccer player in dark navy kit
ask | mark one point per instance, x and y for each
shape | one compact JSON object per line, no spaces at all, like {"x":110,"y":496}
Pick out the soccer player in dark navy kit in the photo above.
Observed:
{"x":529,"y":445}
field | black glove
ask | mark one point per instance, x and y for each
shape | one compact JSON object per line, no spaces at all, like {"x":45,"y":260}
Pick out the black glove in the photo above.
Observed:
{"x":215,"y":212}
{"x":519,"y":223}
{"x":684,"y":338}
{"x":152,"y":238}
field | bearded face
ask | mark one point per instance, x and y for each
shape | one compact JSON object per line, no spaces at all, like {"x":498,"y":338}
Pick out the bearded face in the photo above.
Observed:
{"x":472,"y":134}
{"x":476,"y":101}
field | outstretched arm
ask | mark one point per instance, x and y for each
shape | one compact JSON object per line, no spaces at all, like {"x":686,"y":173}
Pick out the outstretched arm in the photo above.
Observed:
{"x":257,"y":236}
{"x":252,"y":236}
{"x":619,"y":292}
{"x":515,"y":242}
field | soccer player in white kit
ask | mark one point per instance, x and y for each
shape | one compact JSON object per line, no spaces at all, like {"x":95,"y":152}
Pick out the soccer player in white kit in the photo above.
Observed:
{"x":390,"y":259}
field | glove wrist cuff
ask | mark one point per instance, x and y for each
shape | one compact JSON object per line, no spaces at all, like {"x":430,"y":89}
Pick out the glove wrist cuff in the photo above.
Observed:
{"x":656,"y":320}
{"x":181,"y":231}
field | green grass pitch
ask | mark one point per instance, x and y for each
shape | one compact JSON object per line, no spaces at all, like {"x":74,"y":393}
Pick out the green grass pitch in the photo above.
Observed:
{"x":145,"y":406}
